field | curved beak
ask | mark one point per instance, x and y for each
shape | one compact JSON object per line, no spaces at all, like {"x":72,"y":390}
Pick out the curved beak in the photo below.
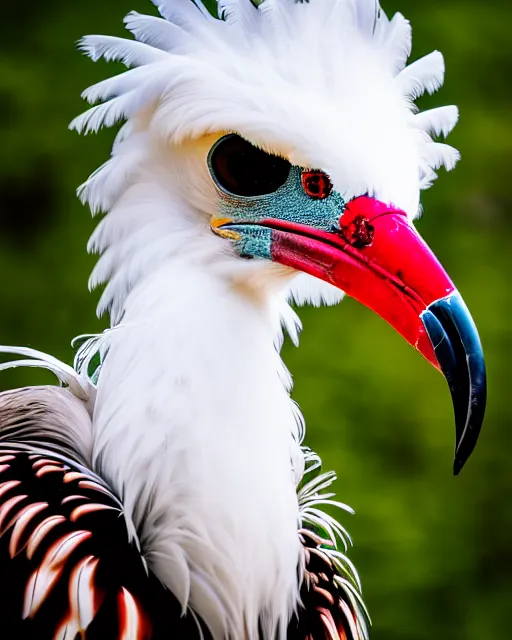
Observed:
{"x":458,"y":350}
{"x":377,"y":257}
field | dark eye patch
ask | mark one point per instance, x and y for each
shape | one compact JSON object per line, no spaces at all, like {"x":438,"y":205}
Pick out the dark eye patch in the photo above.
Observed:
{"x":242,"y":169}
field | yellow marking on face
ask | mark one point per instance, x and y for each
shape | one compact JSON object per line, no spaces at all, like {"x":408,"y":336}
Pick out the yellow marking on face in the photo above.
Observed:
{"x":216,"y":223}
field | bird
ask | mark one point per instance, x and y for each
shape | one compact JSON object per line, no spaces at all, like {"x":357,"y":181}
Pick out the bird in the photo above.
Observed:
{"x":270,"y":154}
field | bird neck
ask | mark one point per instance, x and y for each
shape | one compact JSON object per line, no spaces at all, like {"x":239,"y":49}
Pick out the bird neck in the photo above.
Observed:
{"x":195,"y":429}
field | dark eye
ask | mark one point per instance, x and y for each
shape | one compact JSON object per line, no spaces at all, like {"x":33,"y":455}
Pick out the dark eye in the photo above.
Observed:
{"x":316,"y":184}
{"x":243,"y":170}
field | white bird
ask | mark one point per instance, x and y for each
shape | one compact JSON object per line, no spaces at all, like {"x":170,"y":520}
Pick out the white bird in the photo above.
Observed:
{"x":270,"y":154}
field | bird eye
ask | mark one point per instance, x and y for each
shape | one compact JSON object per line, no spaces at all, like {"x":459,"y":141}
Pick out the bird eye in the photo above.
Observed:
{"x":316,"y":184}
{"x":244,"y":170}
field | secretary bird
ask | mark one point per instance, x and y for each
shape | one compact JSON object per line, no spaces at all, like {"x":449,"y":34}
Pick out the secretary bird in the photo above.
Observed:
{"x":270,"y":153}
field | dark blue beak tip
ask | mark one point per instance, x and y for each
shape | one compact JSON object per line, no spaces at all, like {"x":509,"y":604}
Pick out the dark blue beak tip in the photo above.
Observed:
{"x":459,"y":352}
{"x":461,"y":457}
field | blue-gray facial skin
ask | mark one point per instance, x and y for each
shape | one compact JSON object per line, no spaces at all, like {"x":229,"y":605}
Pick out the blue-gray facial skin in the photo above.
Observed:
{"x":289,"y":203}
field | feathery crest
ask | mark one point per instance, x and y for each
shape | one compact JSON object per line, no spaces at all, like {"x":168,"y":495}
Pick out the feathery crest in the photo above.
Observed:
{"x":228,"y":64}
{"x":323,"y":82}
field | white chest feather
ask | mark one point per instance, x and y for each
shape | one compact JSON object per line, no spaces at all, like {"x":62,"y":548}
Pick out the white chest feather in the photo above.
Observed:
{"x":195,"y":429}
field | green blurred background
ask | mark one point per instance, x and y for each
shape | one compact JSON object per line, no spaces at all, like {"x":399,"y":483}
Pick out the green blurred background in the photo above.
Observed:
{"x":434,"y":552}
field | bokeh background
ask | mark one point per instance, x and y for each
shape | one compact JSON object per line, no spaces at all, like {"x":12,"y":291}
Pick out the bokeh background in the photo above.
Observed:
{"x":434,"y":552}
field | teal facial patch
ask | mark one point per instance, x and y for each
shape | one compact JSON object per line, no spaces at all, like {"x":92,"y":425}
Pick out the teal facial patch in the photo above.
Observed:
{"x":289,"y":203}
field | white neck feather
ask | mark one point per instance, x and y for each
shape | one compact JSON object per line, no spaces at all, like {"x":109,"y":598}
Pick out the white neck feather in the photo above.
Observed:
{"x":195,"y":429}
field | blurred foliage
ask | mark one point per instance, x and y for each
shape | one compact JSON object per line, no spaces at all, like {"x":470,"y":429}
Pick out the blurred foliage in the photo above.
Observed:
{"x":434,"y":552}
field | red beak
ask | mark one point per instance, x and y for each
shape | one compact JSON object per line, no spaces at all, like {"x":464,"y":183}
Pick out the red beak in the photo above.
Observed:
{"x":377,"y":257}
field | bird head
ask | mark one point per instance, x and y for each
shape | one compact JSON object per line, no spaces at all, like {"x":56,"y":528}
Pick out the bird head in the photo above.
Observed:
{"x":289,"y":130}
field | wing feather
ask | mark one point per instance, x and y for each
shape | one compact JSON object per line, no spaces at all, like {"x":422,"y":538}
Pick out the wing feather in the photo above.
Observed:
{"x":69,"y":562}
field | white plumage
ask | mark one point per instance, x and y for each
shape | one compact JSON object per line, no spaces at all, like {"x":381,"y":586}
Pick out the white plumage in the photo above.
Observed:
{"x":193,"y":425}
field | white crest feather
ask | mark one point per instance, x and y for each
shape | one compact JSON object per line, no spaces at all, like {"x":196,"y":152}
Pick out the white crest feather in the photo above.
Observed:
{"x":437,"y":122}
{"x":110,"y":48}
{"x":397,"y":40}
{"x":158,"y":32}
{"x":437,"y":155}
{"x":426,"y":74}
